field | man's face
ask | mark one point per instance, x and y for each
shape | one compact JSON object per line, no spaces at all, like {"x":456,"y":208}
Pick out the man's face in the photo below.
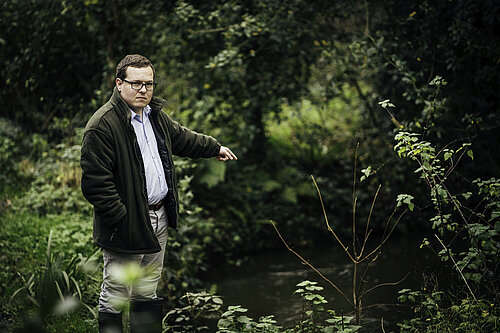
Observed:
{"x":136,"y":99}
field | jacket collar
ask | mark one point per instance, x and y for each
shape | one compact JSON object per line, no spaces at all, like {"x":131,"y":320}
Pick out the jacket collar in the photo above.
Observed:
{"x":123,"y":109}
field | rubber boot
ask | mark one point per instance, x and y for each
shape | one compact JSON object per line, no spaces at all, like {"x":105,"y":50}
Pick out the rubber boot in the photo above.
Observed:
{"x":146,"y":316}
{"x":110,"y":322}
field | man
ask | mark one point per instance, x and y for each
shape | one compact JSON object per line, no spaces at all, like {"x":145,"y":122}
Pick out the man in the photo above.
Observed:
{"x":129,"y":177}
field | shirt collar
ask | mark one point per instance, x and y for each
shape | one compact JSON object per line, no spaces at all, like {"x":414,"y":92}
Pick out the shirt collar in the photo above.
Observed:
{"x":146,"y":111}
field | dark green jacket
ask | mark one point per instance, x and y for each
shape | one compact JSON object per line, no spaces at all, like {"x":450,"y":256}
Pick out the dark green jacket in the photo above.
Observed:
{"x":113,"y":177}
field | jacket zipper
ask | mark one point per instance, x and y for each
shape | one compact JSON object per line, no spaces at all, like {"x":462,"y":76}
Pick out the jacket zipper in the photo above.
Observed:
{"x":113,"y":234}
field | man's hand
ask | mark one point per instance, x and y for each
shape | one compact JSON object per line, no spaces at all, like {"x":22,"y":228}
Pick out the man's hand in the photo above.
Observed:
{"x":226,"y":154}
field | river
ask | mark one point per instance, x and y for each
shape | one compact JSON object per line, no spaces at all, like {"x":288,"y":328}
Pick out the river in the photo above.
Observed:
{"x":266,"y":283}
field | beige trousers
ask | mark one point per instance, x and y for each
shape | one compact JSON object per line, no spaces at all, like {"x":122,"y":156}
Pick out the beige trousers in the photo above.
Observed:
{"x":133,"y":276}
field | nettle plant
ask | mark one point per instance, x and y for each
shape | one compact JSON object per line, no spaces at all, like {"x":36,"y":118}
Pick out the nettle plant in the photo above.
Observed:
{"x":467,"y":224}
{"x":315,"y":313}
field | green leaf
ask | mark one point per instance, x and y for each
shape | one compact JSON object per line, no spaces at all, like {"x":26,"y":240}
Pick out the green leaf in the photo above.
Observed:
{"x":367,"y":172}
{"x":471,"y":154}
{"x":305,"y":283}
{"x":244,"y":319}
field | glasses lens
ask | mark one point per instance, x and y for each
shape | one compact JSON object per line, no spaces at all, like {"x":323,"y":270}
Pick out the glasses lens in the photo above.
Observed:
{"x":149,"y":86}
{"x":136,"y":85}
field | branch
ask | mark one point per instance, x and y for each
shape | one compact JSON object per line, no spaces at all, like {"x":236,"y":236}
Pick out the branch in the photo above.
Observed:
{"x":384,"y":239}
{"x":384,"y":284}
{"x":354,"y":202}
{"x":191,"y":31}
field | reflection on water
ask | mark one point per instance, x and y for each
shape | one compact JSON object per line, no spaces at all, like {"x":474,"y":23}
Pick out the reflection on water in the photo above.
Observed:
{"x":265,"y":285}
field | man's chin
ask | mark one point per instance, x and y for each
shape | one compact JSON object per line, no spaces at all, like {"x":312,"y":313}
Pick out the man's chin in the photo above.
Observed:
{"x":140,"y":105}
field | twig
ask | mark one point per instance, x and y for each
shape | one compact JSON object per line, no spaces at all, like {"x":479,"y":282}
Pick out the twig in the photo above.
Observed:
{"x":367,"y":233}
{"x":354,"y":202}
{"x":458,"y":269}
{"x":328,"y":223}
{"x":362,"y":279}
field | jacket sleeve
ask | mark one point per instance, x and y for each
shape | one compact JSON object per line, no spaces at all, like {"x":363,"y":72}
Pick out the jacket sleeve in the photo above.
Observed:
{"x":186,"y":142}
{"x":98,"y":185}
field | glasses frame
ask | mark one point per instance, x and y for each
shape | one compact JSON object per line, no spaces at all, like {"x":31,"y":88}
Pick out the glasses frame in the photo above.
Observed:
{"x":143,"y":84}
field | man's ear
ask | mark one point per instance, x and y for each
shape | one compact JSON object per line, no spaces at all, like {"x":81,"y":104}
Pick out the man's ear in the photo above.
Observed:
{"x":119,"y":84}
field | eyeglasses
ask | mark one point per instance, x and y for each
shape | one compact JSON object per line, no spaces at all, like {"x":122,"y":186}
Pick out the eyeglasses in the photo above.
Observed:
{"x":138,"y":85}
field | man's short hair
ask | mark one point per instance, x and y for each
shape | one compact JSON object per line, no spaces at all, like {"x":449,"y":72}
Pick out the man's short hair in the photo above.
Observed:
{"x":132,"y":60}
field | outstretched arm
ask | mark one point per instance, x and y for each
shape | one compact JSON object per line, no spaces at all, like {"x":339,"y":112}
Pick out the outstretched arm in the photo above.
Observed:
{"x":226,"y":154}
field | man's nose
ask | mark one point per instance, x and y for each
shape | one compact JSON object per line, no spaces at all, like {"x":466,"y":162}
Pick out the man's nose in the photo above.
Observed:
{"x":143,"y":89}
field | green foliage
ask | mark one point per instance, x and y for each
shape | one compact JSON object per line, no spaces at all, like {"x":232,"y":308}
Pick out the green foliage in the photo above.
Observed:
{"x":481,"y":226}
{"x":416,"y":54}
{"x":316,"y":134}
{"x":10,"y":155}
{"x":434,"y":315}
{"x":189,"y":247}
{"x":472,"y":218}
{"x":314,"y":317}
{"x":314,"y":312}
{"x":246,"y":59}
{"x":28,"y":261}
{"x":59,"y":287}
{"x":186,"y":318}
{"x":56,"y":177}
{"x":8,"y":150}
{"x":47,"y":74}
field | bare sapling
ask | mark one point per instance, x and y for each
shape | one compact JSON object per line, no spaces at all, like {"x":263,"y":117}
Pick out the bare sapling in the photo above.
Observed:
{"x":358,"y":253}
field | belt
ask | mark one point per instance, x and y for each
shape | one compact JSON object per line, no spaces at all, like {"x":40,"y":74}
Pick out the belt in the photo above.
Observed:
{"x":156,"y":206}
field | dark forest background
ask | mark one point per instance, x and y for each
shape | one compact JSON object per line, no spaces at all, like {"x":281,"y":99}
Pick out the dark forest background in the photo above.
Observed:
{"x":357,"y":94}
